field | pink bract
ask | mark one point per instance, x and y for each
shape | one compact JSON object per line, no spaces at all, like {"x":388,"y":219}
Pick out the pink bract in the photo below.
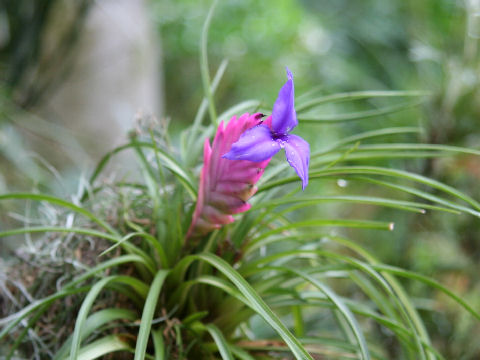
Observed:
{"x":225,"y":185}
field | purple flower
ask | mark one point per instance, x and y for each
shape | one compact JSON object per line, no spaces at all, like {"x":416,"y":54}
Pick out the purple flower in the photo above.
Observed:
{"x":266,"y":139}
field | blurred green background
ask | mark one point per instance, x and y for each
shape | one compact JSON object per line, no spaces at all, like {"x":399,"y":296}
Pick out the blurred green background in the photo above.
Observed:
{"x":330,"y":46}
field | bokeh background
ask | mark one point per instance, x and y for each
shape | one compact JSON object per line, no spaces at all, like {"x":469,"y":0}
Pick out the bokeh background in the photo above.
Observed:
{"x":75,"y":77}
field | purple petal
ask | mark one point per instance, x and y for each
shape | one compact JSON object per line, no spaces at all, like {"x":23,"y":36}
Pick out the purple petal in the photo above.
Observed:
{"x":297,"y":151}
{"x":255,"y":144}
{"x":284,"y":117}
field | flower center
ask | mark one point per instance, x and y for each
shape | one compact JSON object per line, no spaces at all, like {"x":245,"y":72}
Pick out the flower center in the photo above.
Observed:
{"x":280,"y":138}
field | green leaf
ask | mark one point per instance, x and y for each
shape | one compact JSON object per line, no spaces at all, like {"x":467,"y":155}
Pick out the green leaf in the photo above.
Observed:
{"x":371,"y":200}
{"x":359,"y":115}
{"x":369,"y":135}
{"x":154,"y":242}
{"x":148,"y":312}
{"x":372,"y":170}
{"x":431,"y":147}
{"x":363,"y":224}
{"x":421,"y":194}
{"x":158,"y":344}
{"x":240,"y":353}
{"x":170,"y":163}
{"x":94,"y":323}
{"x":222,"y":345}
{"x":191,"y":146}
{"x":106,"y":345}
{"x":257,"y":304}
{"x":342,"y":308}
{"x":57,"y":201}
{"x":14,"y":319}
{"x":388,"y":283}
{"x":109,"y":264}
{"x":356,"y":95}
{"x":204,"y":64}
{"x":85,"y":308}
{"x":429,"y":281}
{"x":255,"y":301}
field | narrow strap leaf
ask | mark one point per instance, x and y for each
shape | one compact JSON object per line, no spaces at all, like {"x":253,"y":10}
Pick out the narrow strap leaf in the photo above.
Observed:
{"x":148,"y":312}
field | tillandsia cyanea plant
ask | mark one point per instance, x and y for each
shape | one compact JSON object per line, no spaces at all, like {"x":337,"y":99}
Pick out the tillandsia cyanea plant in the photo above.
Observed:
{"x":238,"y":157}
{"x":168,"y":274}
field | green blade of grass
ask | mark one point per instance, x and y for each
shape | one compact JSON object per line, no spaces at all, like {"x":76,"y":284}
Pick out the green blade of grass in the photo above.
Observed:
{"x":387,"y":283}
{"x":94,"y":323}
{"x":222,"y":345}
{"x":255,"y":301}
{"x":363,"y":224}
{"x":369,"y":200}
{"x":148,"y":312}
{"x":87,"y":304}
{"x":103,"y":346}
{"x":366,"y":135}
{"x":14,"y":319}
{"x":397,"y":204}
{"x":356,"y":95}
{"x":190,"y":146}
{"x":57,"y":201}
{"x":180,"y":296}
{"x":205,"y":72}
{"x":402,"y":304}
{"x":432,"y":147}
{"x":397,"y":289}
{"x":170,"y":163}
{"x":429,"y":281}
{"x":196,"y":316}
{"x":421,"y":194}
{"x":257,"y":304}
{"x":359,"y":115}
{"x":298,"y":323}
{"x":254,"y":267}
{"x":398,"y":329}
{"x":364,"y":156}
{"x":151,"y":240}
{"x":109,"y":264}
{"x":372,"y":170}
{"x":158,"y":344}
{"x":240,"y":353}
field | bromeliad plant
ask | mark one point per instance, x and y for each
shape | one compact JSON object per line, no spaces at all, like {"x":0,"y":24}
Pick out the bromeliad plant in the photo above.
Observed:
{"x":238,"y":157}
{"x":176,"y":271}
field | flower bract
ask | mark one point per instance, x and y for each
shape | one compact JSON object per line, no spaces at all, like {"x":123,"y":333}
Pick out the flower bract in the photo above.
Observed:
{"x":225,"y":185}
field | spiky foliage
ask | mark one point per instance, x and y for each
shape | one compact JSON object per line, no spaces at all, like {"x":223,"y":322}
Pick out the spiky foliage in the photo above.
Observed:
{"x":279,"y":282}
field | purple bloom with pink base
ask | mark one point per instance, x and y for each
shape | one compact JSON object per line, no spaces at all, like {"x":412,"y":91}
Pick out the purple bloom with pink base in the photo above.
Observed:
{"x":237,"y":159}
{"x":263,"y":141}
